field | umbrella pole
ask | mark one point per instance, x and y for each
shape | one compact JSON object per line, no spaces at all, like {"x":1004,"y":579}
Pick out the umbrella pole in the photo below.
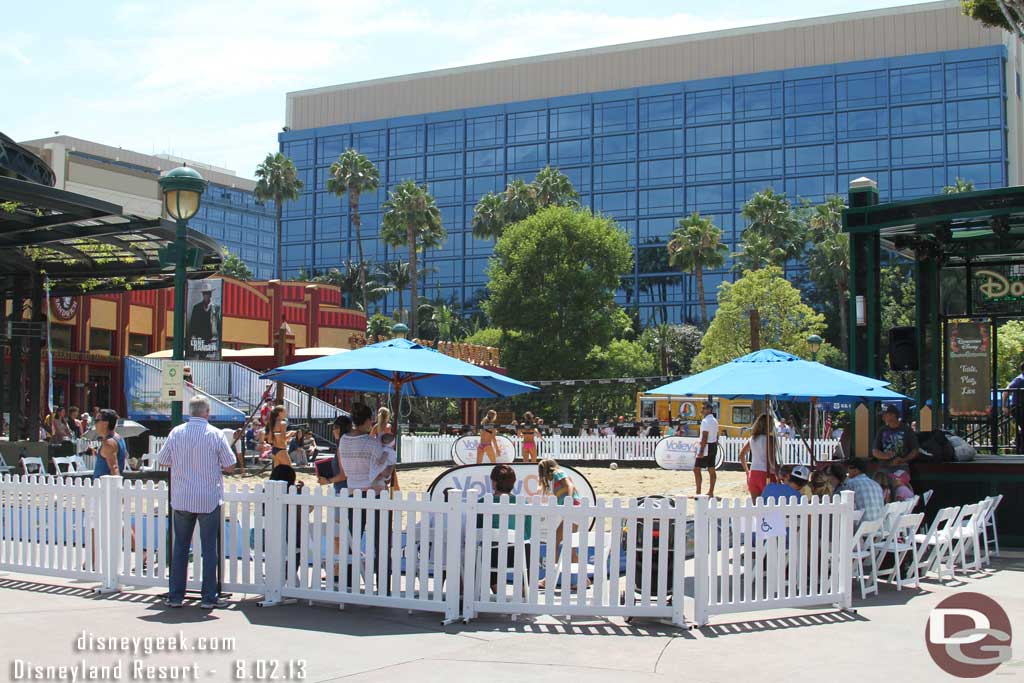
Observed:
{"x":814,"y":415}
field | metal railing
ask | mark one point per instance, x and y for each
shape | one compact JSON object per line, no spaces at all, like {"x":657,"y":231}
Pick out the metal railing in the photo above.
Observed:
{"x":143,"y":389}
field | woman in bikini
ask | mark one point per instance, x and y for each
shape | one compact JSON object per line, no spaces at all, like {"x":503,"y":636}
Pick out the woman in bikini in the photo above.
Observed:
{"x":278,"y":436}
{"x":528,"y":433}
{"x":488,"y":439}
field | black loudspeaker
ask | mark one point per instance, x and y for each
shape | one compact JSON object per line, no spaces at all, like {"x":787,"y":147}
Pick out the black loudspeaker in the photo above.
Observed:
{"x":903,"y":348}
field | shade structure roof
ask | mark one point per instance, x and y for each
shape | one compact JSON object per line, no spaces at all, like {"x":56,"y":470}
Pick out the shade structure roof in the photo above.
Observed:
{"x":967,"y":226}
{"x":776,"y":373}
{"x":416,"y":370}
{"x":77,"y":239}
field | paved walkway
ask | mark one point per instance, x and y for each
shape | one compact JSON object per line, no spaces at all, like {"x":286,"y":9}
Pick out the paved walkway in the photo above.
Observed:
{"x":41,"y":620}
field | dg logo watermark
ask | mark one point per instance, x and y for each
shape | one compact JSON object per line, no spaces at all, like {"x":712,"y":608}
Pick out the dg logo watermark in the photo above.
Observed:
{"x":968,"y":635}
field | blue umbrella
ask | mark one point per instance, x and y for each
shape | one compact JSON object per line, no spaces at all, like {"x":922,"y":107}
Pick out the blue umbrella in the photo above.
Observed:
{"x":775,"y":373}
{"x":402,"y":367}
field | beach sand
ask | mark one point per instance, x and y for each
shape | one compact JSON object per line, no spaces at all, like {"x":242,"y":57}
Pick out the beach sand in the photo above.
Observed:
{"x":625,"y":481}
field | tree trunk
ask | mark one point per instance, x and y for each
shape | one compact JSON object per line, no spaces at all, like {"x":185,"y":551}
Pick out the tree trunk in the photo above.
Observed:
{"x":699,"y":273}
{"x":357,"y":223}
{"x":280,"y":230}
{"x":401,"y":313}
{"x":413,"y":280}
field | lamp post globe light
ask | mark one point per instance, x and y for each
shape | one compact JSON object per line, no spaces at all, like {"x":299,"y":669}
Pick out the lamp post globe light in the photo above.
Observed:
{"x":182,"y":187}
{"x":814,"y":345}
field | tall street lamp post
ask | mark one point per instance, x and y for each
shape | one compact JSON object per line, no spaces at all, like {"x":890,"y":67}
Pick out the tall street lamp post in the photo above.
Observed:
{"x":814,"y":345}
{"x":182,"y":187}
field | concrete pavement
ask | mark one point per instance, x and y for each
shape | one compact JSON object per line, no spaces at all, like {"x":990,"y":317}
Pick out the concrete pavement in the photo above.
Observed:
{"x":42,"y":621}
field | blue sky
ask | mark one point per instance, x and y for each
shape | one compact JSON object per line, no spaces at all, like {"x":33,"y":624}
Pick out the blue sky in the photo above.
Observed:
{"x":207,"y":79}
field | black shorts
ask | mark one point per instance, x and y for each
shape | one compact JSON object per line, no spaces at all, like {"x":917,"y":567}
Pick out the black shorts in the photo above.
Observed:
{"x":711,"y":454}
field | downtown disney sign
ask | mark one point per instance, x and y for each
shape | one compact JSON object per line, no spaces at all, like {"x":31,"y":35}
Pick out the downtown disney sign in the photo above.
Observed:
{"x":997,"y":287}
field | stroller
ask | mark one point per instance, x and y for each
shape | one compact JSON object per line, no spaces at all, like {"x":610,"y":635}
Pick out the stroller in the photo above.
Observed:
{"x":656,"y":548}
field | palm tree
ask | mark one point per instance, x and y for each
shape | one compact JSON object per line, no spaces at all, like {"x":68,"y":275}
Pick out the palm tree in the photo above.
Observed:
{"x":830,"y":259}
{"x":277,"y":179}
{"x":352,"y":174}
{"x":553,"y":188}
{"x":520,"y":201}
{"x":757,"y":251}
{"x":771,"y":216}
{"x":697,"y":243}
{"x":412,"y":220}
{"x":397,"y":276}
{"x":960,"y":185}
{"x":489,"y":217}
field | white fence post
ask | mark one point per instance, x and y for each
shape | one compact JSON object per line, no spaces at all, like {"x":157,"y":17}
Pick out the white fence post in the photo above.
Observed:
{"x":679,"y":576}
{"x":109,"y":531}
{"x":701,"y":554}
{"x":846,"y":550}
{"x":274,"y":492}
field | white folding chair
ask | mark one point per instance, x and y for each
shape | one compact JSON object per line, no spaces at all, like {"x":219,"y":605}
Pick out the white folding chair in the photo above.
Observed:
{"x":991,"y":541}
{"x":926,"y":496}
{"x":965,"y":533}
{"x":936,"y":545}
{"x":78,"y":462}
{"x":864,"y":553}
{"x":981,"y":530}
{"x":5,"y":469}
{"x":32,"y":465}
{"x":64,"y":465}
{"x":901,"y":543}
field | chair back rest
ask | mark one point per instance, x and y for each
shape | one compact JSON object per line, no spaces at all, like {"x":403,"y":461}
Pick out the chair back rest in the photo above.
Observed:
{"x":927,"y":495}
{"x":943,"y":522}
{"x":78,"y":463}
{"x":909,"y":524}
{"x":32,"y":462}
{"x":866,"y":531}
{"x":63,"y":465}
{"x":990,"y":514}
{"x":966,"y":516}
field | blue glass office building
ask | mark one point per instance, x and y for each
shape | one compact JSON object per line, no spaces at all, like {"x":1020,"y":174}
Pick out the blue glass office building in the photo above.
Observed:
{"x":247,"y":227}
{"x":648,"y":155}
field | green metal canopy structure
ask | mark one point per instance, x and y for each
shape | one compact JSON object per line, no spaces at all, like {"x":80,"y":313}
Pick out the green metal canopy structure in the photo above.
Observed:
{"x":68,"y":244}
{"x":968,"y":255}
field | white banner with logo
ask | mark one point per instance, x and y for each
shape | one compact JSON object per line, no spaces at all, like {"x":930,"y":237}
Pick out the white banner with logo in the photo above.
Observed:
{"x":464,"y":450}
{"x":478,"y":478}
{"x":677,"y":452}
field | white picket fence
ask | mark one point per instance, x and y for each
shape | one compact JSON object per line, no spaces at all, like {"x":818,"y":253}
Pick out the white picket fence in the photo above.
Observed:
{"x":437,"y":448}
{"x":752,"y":555}
{"x":454,"y":555}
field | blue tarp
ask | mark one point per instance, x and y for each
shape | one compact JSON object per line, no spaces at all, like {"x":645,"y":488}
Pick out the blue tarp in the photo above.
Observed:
{"x":420,"y":371}
{"x":787,"y":377}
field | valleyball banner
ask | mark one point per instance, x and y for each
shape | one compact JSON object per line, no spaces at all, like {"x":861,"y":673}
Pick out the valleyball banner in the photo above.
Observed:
{"x":464,"y":450}
{"x":677,"y":452}
{"x":203,"y":334}
{"x":478,"y":478}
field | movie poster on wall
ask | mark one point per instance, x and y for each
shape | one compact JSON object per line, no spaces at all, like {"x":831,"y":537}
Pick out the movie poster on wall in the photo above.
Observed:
{"x":205,"y":320}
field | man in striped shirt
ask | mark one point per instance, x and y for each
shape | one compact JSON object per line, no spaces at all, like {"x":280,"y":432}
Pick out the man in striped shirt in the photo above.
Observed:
{"x":198,"y":456}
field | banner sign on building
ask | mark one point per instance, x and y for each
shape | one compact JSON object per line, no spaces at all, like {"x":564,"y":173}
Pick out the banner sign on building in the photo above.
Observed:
{"x":998,"y":289}
{"x":205,"y":320}
{"x":969,"y":368}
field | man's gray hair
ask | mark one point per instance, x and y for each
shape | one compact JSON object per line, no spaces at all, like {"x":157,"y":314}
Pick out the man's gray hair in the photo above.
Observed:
{"x":199,"y":406}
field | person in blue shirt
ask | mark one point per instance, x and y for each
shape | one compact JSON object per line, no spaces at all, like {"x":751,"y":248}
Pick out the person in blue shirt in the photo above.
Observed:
{"x":1013,"y":404}
{"x":113,"y":451}
{"x":792,"y":481}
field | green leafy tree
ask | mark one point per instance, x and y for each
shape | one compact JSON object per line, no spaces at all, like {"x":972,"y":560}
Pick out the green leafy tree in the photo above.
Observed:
{"x":486,"y":336}
{"x":552,"y":289}
{"x":412,"y":220}
{"x":1006,"y":15}
{"x":829,"y":262}
{"x":773,"y":231}
{"x":520,"y":201}
{"x":277,"y":180}
{"x":786,"y":321}
{"x":378,"y":325}
{"x":619,"y":358}
{"x":958,"y":186}
{"x":696,"y":244}
{"x":353,"y":174}
{"x":232,"y":266}
{"x":1011,"y":350}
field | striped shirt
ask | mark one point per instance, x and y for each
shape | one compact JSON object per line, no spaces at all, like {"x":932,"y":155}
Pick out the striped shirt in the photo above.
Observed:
{"x":197,"y":453}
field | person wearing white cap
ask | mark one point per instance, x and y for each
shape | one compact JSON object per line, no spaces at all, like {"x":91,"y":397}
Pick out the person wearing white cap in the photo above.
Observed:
{"x":793,"y":481}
